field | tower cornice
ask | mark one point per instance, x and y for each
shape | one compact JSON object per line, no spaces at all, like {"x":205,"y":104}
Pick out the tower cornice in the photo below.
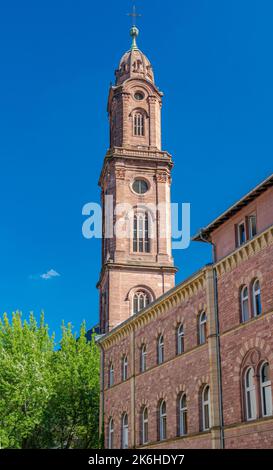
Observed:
{"x":127,"y":154}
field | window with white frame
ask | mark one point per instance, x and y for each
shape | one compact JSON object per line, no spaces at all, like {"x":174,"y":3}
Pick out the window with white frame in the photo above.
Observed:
{"x":250,"y":395}
{"x":256,"y":298}
{"x":111,"y":434}
{"x":180,"y":339}
{"x":125,"y":432}
{"x":252,"y":226}
{"x":182,"y":406}
{"x":202,"y":328}
{"x":124,"y":368}
{"x":160,"y":349}
{"x":162,"y":421}
{"x":111,"y":375}
{"x":244,"y":304}
{"x":241,"y":233}
{"x":206,"y":408}
{"x":140,"y":301}
{"x":138,"y":124}
{"x":143,"y":358}
{"x":144,"y":427}
{"x":141,"y":239}
{"x":266,"y":391}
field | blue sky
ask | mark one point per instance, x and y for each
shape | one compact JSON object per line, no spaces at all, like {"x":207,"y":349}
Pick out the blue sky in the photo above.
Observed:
{"x":212,"y":59}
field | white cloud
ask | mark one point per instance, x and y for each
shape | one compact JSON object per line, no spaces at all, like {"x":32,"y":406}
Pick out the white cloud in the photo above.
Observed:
{"x":50,"y":274}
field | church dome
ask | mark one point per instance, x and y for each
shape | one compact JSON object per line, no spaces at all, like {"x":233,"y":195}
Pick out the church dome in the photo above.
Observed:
{"x":134,"y":64}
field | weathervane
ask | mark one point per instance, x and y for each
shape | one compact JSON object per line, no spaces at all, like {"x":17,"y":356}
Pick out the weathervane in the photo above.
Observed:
{"x":134,"y":15}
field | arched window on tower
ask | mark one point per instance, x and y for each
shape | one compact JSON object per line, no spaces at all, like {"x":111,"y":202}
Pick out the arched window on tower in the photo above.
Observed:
{"x":140,"y":301}
{"x":266,"y":392}
{"x":141,"y":240}
{"x":138,"y":124}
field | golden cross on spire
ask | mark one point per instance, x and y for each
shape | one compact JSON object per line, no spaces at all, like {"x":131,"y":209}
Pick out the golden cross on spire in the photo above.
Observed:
{"x":134,"y":15}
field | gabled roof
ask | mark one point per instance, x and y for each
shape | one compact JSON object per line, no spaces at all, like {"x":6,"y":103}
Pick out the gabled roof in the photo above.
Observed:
{"x":249,"y":197}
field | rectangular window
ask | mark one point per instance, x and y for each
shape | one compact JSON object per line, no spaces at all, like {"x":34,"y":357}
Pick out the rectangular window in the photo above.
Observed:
{"x":241,"y":233}
{"x":252,"y":226}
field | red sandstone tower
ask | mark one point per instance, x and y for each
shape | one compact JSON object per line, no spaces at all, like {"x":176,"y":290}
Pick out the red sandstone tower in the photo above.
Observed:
{"x":136,"y":268}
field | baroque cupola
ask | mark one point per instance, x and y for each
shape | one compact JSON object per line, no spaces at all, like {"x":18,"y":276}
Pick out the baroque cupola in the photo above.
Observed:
{"x":134,"y":103}
{"x":134,"y":64}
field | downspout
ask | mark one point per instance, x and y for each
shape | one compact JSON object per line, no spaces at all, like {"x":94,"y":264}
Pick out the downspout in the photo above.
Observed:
{"x":218,"y":347}
{"x":102,"y":429}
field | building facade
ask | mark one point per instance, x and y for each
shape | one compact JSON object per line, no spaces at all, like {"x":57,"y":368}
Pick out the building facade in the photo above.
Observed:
{"x":186,"y":366}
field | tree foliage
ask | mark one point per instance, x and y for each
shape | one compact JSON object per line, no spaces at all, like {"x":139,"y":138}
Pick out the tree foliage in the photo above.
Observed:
{"x":49,"y":398}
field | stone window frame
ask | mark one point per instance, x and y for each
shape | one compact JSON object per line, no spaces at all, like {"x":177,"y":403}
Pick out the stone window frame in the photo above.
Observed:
{"x":143,"y":354}
{"x":162,"y":420}
{"x":205,"y":408}
{"x":144,"y":422}
{"x":254,"y":358}
{"x":124,"y":368}
{"x":202,"y":328}
{"x":124,"y":430}
{"x":142,"y":126}
{"x":134,"y":290}
{"x":244,"y":299}
{"x":111,"y":375}
{"x":255,"y":293}
{"x":160,"y":348}
{"x":181,"y":412}
{"x":111,"y":429}
{"x":180,"y":338}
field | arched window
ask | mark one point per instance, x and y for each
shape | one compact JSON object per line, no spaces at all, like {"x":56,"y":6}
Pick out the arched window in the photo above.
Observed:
{"x":202,"y":328}
{"x":180,"y":339}
{"x":160,"y":349}
{"x":111,"y":375}
{"x":140,"y":301}
{"x":162,"y":421}
{"x":206,"y":408}
{"x":143,"y":358}
{"x":250,"y":395}
{"x":125,"y":432}
{"x":141,"y":240}
{"x":124,"y":368}
{"x":144,"y":425}
{"x":138,"y":124}
{"x":256,"y":298}
{"x":244,"y":304}
{"x":111,"y":434}
{"x":266,"y":391}
{"x":182,"y":413}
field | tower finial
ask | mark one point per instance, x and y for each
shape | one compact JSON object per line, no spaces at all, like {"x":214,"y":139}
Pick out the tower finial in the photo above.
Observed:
{"x":134,"y":32}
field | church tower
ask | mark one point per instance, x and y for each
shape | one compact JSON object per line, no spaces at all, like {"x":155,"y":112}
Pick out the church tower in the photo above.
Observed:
{"x":137,"y":263}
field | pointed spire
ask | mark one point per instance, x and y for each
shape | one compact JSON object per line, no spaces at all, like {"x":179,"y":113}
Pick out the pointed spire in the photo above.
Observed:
{"x":134,"y":32}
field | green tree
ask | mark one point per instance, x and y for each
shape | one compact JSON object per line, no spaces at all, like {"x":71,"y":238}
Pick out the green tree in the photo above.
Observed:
{"x":26,"y":353}
{"x":48,"y":397}
{"x":73,"y":412}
